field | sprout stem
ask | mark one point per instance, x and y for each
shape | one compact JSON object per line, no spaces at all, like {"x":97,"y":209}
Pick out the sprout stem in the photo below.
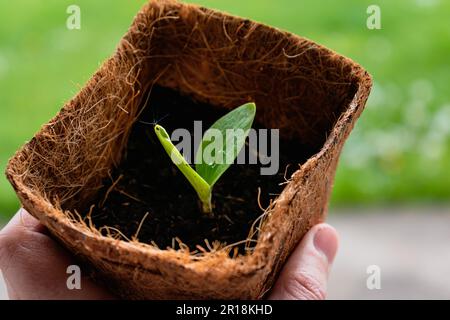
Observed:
{"x":202,"y":188}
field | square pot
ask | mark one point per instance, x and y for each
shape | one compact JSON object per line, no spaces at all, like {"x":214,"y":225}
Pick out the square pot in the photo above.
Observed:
{"x":313,"y":95}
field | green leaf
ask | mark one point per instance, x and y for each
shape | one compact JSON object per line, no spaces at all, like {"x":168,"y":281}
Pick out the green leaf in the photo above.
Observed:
{"x":222,"y":142}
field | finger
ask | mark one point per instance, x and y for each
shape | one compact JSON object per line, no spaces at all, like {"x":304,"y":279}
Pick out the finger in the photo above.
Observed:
{"x":35,"y":267}
{"x":305,"y":274}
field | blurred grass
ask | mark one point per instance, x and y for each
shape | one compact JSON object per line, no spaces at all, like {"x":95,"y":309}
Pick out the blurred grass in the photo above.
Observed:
{"x":399,"y":151}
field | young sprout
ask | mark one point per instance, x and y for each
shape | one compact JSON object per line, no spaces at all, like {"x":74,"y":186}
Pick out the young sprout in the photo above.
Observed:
{"x":227,"y":136}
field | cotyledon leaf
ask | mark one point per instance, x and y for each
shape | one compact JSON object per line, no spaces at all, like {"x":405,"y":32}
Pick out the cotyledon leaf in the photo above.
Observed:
{"x":232,"y":129}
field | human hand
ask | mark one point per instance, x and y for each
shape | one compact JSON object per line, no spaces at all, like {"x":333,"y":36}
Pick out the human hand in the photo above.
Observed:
{"x":34,"y":266}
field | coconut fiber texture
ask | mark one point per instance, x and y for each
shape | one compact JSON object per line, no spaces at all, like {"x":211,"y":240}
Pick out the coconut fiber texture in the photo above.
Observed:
{"x":312,"y":94}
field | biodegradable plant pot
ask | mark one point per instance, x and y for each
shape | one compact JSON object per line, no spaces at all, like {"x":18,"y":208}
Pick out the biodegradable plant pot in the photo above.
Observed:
{"x":310,"y":93}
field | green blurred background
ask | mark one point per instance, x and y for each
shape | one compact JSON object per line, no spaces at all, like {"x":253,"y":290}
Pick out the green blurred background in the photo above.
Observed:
{"x":399,"y":151}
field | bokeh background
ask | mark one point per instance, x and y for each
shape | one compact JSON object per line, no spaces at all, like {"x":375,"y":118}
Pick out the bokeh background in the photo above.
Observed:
{"x":395,"y":166}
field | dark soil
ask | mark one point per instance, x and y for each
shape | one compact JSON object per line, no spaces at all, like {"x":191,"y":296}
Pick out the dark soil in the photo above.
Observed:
{"x":150,"y":183}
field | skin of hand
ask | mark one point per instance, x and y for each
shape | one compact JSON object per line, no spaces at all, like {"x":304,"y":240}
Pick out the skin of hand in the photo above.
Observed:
{"x":34,"y":266}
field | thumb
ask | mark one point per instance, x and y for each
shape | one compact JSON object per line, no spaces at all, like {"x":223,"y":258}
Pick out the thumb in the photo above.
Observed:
{"x":305,"y":274}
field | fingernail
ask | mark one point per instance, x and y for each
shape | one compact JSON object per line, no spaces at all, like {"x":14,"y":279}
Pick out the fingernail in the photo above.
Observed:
{"x":326,"y":242}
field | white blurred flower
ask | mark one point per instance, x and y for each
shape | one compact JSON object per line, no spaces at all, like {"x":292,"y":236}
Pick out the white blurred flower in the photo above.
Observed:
{"x":394,"y":94}
{"x":435,"y":142}
{"x":432,"y":146}
{"x":423,"y":90}
{"x":378,"y":144}
{"x":391,"y":143}
{"x":357,"y":153}
{"x":416,"y":115}
{"x":377,"y":96}
{"x":421,"y":93}
{"x":441,"y":121}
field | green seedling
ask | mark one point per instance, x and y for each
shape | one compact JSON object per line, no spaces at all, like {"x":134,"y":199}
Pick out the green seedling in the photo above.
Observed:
{"x":225,"y":138}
